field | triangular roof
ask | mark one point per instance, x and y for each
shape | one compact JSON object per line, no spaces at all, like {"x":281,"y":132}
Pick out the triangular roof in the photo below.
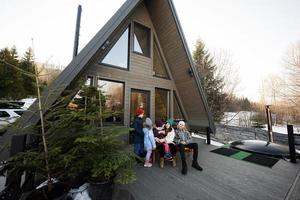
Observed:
{"x":78,"y":64}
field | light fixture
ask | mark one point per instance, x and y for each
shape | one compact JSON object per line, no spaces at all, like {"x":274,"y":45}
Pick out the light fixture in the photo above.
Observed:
{"x":190,"y":72}
{"x":105,"y":45}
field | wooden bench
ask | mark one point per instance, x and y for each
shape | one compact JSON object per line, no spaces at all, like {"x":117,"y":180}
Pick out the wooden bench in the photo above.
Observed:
{"x":186,"y":150}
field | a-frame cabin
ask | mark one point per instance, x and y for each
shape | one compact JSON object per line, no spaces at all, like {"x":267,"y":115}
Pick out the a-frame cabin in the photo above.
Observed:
{"x":141,"y":59}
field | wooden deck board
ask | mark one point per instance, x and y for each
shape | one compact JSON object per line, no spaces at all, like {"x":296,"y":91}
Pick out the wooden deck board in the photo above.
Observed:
{"x":222,"y":178}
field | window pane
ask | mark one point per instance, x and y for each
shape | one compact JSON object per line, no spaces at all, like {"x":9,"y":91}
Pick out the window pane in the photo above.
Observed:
{"x":137,"y":46}
{"x":158,"y":65}
{"x":141,"y":39}
{"x":89,"y":81}
{"x":118,"y":55}
{"x":19,"y":112}
{"x":4,"y":114}
{"x":114,"y":100}
{"x":161,"y":104}
{"x":177,"y":111}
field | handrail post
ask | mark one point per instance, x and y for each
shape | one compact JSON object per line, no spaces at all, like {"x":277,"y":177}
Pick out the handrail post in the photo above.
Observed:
{"x":269,"y":122}
{"x":208,"y":131}
{"x":291,"y":140}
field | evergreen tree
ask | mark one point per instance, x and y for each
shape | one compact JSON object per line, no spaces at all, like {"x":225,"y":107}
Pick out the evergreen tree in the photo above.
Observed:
{"x":11,"y":86}
{"x":245,"y":104}
{"x":27,"y":64}
{"x":212,"y":84}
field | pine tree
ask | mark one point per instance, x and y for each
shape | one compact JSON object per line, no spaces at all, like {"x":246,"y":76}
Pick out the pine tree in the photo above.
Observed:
{"x":11,"y":86}
{"x":245,"y":104}
{"x":212,"y":84}
{"x":27,"y":64}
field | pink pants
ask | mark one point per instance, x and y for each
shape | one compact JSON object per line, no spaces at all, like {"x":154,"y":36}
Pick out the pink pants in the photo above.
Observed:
{"x":167,"y":148}
{"x":148,"y":155}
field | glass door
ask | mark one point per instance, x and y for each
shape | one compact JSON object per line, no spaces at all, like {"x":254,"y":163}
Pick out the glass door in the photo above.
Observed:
{"x":139,"y":99}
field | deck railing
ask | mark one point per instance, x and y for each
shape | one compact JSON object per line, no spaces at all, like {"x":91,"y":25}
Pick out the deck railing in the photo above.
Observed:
{"x":293,"y":139}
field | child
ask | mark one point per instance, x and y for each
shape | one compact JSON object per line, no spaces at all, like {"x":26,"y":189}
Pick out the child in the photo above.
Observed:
{"x":183,"y":139}
{"x":169,"y":137}
{"x":149,"y":142}
{"x":160,"y":134}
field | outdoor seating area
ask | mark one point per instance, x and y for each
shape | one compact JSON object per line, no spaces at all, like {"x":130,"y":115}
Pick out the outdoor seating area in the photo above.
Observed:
{"x":155,"y":153}
{"x":222,"y":178}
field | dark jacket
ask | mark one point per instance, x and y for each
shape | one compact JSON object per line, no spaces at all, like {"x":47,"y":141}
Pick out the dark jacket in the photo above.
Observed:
{"x":159,"y":132}
{"x":138,"y":128}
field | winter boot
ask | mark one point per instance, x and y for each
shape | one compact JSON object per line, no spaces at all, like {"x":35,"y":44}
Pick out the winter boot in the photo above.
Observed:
{"x":161,"y":162}
{"x":196,"y":166}
{"x":184,"y":168}
{"x":174,"y":162}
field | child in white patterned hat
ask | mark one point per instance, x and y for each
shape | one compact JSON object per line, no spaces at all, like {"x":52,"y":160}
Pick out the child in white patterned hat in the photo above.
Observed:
{"x":183,"y":140}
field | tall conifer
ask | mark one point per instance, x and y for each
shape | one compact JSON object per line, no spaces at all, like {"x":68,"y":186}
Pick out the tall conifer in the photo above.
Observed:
{"x":11,"y":86}
{"x":212,"y":84}
{"x":27,"y":64}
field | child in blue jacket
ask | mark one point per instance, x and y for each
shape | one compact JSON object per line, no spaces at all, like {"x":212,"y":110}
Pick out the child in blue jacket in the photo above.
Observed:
{"x":149,"y":141}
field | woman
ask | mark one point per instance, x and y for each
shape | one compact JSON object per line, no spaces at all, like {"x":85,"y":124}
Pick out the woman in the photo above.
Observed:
{"x":164,"y":138}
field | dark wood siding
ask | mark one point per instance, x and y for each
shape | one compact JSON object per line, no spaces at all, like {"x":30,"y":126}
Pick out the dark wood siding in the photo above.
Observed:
{"x":178,"y":60}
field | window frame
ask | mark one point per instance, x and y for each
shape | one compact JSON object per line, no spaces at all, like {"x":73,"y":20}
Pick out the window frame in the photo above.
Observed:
{"x":149,"y":38}
{"x":116,"y":81}
{"x":119,"y":35}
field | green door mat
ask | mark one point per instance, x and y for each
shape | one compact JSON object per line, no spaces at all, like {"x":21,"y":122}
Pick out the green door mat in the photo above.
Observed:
{"x":246,"y":156}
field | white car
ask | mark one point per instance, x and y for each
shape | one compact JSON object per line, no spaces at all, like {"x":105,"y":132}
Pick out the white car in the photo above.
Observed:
{"x":9,"y":116}
{"x":27,"y":102}
{"x":10,"y":111}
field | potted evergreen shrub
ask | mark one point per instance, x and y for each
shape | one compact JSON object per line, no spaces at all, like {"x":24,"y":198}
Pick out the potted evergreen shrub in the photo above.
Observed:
{"x":88,"y":150}
{"x":81,"y":148}
{"x":38,"y":160}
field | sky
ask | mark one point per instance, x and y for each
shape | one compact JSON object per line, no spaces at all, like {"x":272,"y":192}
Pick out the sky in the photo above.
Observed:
{"x":256,"y":33}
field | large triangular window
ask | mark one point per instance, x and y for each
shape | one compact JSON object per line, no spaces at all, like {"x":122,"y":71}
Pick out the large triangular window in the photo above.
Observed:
{"x":118,"y":54}
{"x":158,"y":64}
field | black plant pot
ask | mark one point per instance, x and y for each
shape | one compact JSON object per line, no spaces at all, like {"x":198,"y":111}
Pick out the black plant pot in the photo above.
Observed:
{"x":59,"y":192}
{"x":101,"y":190}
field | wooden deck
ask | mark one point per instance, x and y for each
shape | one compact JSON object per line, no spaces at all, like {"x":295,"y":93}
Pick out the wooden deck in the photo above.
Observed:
{"x":222,"y":178}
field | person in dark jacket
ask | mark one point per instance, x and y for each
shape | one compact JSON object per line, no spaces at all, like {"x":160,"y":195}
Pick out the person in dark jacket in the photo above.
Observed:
{"x":138,"y":138}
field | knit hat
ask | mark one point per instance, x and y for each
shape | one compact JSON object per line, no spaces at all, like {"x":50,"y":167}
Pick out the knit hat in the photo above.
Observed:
{"x":158,"y":123}
{"x":148,"y":122}
{"x":171,"y":121}
{"x":181,"y":123}
{"x":139,"y":111}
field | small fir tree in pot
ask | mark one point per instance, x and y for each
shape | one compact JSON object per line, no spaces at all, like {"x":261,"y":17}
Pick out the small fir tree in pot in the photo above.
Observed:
{"x":97,"y":154}
{"x":79,"y":147}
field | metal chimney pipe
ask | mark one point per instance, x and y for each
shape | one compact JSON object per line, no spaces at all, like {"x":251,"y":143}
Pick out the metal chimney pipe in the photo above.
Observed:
{"x":77,"y":28}
{"x":269,"y":122}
